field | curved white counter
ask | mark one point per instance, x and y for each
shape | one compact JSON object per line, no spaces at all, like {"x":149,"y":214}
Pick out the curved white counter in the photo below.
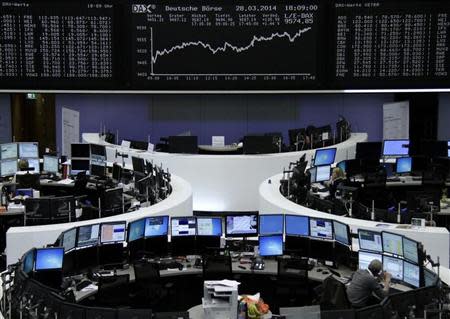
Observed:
{"x":21,"y":239}
{"x":436,"y":240}
{"x":227,"y":182}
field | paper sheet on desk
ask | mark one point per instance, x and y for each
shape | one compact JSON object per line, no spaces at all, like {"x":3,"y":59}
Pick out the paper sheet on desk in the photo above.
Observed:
{"x":66,"y":181}
{"x":91,"y":287}
{"x":224,"y":282}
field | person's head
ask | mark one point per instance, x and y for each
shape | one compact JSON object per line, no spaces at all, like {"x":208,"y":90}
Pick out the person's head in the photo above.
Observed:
{"x":375,"y":267}
{"x":338,"y":173}
{"x":23,"y":164}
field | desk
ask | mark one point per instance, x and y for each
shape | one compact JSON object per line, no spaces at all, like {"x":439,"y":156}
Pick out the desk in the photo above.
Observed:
{"x":436,"y":240}
{"x":224,"y":182}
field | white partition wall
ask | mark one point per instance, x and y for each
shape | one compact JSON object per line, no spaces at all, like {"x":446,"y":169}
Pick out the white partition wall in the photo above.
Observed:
{"x":227,"y":182}
{"x":21,"y":239}
{"x":436,"y":240}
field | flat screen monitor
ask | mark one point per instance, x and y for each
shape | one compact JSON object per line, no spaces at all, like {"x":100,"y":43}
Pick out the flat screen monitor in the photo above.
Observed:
{"x":62,"y":207}
{"x":297,"y":225}
{"x":209,"y":226}
{"x":139,"y":145}
{"x":116,"y":172}
{"x":112,"y":232}
{"x":80,"y":150}
{"x":24,"y":192}
{"x":79,"y":165}
{"x":183,"y":226}
{"x":51,"y":164}
{"x":370,"y":240}
{"x":28,"y":150}
{"x":259,"y":144}
{"x":28,"y":261}
{"x":320,"y":228}
{"x":138,"y":164}
{"x":271,"y":245}
{"x":448,"y":151}
{"x":8,"y":167}
{"x":9,"y":151}
{"x":34,"y":163}
{"x":367,"y":150}
{"x":342,"y":165}
{"x":394,"y":266}
{"x":430,"y":278}
{"x":341,"y":233}
{"x":365,"y":258}
{"x":324,"y":156}
{"x":98,"y":170}
{"x":404,"y":165}
{"x":396,"y":148}
{"x":411,"y":250}
{"x":98,"y":150}
{"x":183,"y":144}
{"x":392,"y":243}
{"x":49,"y":258}
{"x":112,"y":200}
{"x":88,"y":235}
{"x":241,"y":225}
{"x":312,"y":174}
{"x":69,"y":239}
{"x":156,"y":226}
{"x":411,"y":274}
{"x":271,"y":224}
{"x":323,"y":173}
{"x":136,"y":230}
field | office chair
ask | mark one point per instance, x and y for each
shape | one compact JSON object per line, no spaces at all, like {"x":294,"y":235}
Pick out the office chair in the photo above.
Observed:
{"x":334,"y":296}
{"x":113,"y":291}
{"x":217,"y":267}
{"x":292,"y":282}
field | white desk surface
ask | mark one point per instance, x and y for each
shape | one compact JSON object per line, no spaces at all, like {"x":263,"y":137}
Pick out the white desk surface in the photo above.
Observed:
{"x":224,"y":182}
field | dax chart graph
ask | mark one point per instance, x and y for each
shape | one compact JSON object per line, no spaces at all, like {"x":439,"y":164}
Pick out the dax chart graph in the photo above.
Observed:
{"x":238,"y":46}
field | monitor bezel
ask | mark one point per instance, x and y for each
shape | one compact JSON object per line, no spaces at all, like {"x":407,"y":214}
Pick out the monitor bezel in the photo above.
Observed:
{"x":52,"y":157}
{"x":372,"y":231}
{"x":325,"y":219}
{"x":403,"y":158}
{"x":415,"y":265}
{"x":316,"y":171}
{"x":48,"y":248}
{"x":325,"y":149}
{"x":129,"y":232}
{"x":123,"y":222}
{"x":19,"y":155}
{"x":417,"y":246}
{"x":89,"y":245}
{"x":382,"y":241}
{"x":370,"y":252}
{"x":394,"y":257}
{"x":228,"y":235}
{"x":10,"y":158}
{"x":76,"y":239}
{"x":349,"y":237}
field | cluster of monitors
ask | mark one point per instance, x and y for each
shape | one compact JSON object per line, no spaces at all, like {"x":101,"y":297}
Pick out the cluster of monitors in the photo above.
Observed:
{"x":88,"y":158}
{"x":399,"y":254}
{"x":43,"y":259}
{"x":12,"y":152}
{"x":321,"y":170}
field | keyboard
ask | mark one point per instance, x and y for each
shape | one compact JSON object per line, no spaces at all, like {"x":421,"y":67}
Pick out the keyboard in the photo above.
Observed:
{"x":82,"y":285}
{"x":169,"y":265}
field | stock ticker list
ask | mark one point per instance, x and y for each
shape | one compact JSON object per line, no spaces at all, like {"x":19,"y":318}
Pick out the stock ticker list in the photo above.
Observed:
{"x":387,"y":40}
{"x":56,"y":41}
{"x":234,"y":45}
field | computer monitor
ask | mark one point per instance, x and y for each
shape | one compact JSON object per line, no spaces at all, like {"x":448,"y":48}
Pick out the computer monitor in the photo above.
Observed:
{"x":271,"y":245}
{"x":79,"y":150}
{"x":69,"y":239}
{"x":8,"y":167}
{"x":98,"y":170}
{"x":34,"y":163}
{"x":296,"y":225}
{"x":79,"y":165}
{"x":113,"y":232}
{"x":365,"y":258}
{"x":156,"y":226}
{"x":312,"y":174}
{"x":9,"y":151}
{"x":411,"y":274}
{"x":183,"y":226}
{"x":271,"y":224}
{"x":139,"y":145}
{"x":98,"y":150}
{"x":320,"y":228}
{"x":448,"y":151}
{"x":28,"y":261}
{"x":324,"y":156}
{"x":49,"y":258}
{"x":51,"y":164}
{"x":323,"y":173}
{"x":209,"y":226}
{"x":366,"y":150}
{"x":88,"y":235}
{"x":183,"y":144}
{"x":29,"y":150}
{"x":62,"y":208}
{"x":411,"y":250}
{"x":322,"y":250}
{"x":396,"y":147}
{"x":24,"y":192}
{"x":392,"y":243}
{"x":259,"y":144}
{"x":370,"y":240}
{"x":430,"y":278}
{"x":112,"y":201}
{"x":241,"y":225}
{"x":342,"y":165}
{"x":404,"y":165}
{"x":136,"y":230}
{"x":341,"y":233}
{"x":138,"y":164}
{"x":116,"y":172}
{"x":394,"y":266}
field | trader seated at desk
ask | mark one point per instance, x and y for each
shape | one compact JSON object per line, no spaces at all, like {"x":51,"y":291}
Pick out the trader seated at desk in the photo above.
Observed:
{"x":365,"y":284}
{"x":337,"y":178}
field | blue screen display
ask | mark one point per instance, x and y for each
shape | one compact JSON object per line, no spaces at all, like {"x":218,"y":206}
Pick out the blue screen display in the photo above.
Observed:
{"x":209,"y":226}
{"x":395,"y":147}
{"x":297,"y":225}
{"x":28,"y":262}
{"x":404,"y":165}
{"x":271,"y":245}
{"x":156,"y":226}
{"x":324,"y":156}
{"x":342,"y":165}
{"x":49,"y":258}
{"x":448,"y":151}
{"x":271,"y":224}
{"x":136,"y":230}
